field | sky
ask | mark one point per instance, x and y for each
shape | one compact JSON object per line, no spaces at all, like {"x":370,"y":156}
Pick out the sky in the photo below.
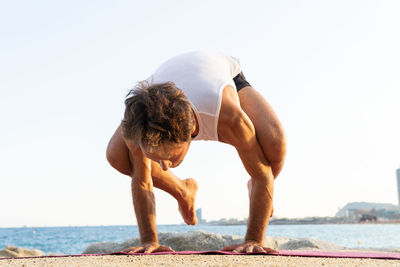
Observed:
{"x":330,"y":70}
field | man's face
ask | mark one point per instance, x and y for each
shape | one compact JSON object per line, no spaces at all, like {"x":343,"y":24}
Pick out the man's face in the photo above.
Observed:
{"x":168,"y":155}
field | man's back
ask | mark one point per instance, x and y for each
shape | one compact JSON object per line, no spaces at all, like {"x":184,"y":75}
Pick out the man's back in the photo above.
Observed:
{"x":202,"y":75}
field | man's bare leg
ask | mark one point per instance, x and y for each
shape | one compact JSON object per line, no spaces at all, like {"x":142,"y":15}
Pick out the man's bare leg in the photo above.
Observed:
{"x":184,"y":191}
{"x":269,"y":130}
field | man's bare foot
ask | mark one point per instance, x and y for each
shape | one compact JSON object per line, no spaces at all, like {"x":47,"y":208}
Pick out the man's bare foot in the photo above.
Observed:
{"x":186,"y":205}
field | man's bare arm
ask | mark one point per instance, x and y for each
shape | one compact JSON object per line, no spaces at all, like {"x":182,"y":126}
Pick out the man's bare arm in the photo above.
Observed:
{"x":143,"y":197}
{"x":144,"y":203}
{"x":263,"y":182}
{"x":261,"y":195}
{"x":236,"y":128}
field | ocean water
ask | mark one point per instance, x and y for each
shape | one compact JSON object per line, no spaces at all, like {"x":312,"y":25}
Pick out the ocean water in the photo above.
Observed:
{"x":73,"y":240}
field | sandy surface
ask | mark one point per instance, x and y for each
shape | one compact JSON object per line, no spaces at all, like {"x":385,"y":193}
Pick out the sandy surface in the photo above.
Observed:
{"x":195,"y":260}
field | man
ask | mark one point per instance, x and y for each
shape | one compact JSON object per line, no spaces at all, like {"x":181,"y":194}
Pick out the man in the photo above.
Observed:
{"x":196,"y":96}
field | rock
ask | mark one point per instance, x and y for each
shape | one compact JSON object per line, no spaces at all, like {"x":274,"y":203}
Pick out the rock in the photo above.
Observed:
{"x":14,"y":252}
{"x":308,"y":244}
{"x":198,"y":240}
{"x":201,"y":240}
{"x":275,"y":242}
{"x":193,"y":240}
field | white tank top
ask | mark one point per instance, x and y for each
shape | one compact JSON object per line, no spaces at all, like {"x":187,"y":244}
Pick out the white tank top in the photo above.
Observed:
{"x":202,"y":75}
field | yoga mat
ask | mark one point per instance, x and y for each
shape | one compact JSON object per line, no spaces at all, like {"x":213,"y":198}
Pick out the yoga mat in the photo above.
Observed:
{"x":295,"y":253}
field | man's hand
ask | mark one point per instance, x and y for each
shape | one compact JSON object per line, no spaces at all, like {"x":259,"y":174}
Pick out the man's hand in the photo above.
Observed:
{"x":148,"y":248}
{"x":249,"y":247}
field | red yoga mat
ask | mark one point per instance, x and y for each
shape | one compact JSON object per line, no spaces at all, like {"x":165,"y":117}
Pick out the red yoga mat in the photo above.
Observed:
{"x":298,"y":253}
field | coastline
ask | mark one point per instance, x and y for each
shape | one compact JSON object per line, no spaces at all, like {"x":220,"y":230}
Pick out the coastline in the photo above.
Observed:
{"x":380,"y":237}
{"x":302,"y":221}
{"x":309,"y":249}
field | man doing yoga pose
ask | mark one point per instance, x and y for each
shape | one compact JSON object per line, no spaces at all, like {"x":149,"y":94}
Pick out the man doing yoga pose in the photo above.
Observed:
{"x":196,"y":96}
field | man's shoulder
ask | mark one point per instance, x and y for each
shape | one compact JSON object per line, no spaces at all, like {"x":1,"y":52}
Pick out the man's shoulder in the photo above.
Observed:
{"x":234,"y":126}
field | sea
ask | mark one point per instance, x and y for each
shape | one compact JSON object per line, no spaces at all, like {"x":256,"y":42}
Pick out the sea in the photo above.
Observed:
{"x":73,"y":240}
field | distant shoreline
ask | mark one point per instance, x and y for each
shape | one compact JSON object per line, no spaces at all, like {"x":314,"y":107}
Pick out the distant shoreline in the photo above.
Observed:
{"x":281,"y":221}
{"x":304,"y":221}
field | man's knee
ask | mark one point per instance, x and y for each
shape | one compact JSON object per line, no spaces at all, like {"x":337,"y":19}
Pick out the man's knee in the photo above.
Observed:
{"x":275,"y":147}
{"x":276,"y":155}
{"x":279,"y":148}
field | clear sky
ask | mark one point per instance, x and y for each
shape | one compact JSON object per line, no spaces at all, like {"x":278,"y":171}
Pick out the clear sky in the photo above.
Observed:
{"x":330,"y":69}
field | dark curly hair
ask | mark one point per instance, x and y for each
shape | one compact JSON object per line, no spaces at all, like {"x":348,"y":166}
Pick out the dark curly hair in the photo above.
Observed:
{"x":156,"y":114}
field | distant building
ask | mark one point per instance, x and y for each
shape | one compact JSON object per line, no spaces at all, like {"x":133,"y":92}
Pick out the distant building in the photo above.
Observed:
{"x":360,"y":210}
{"x":356,"y":210}
{"x":199,"y":215}
{"x":398,"y":185}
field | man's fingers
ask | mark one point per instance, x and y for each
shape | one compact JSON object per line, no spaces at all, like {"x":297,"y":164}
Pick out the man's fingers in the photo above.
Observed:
{"x":150,"y":249}
{"x":134,"y":250}
{"x":239,"y":249}
{"x":249,"y":249}
{"x":259,"y":249}
{"x":138,"y":250}
{"x":126,"y":250}
{"x":229,"y":248}
{"x":163,"y":249}
{"x":270,"y":250}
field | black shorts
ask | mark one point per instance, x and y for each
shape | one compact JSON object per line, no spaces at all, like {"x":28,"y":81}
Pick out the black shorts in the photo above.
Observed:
{"x":240,"y":81}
